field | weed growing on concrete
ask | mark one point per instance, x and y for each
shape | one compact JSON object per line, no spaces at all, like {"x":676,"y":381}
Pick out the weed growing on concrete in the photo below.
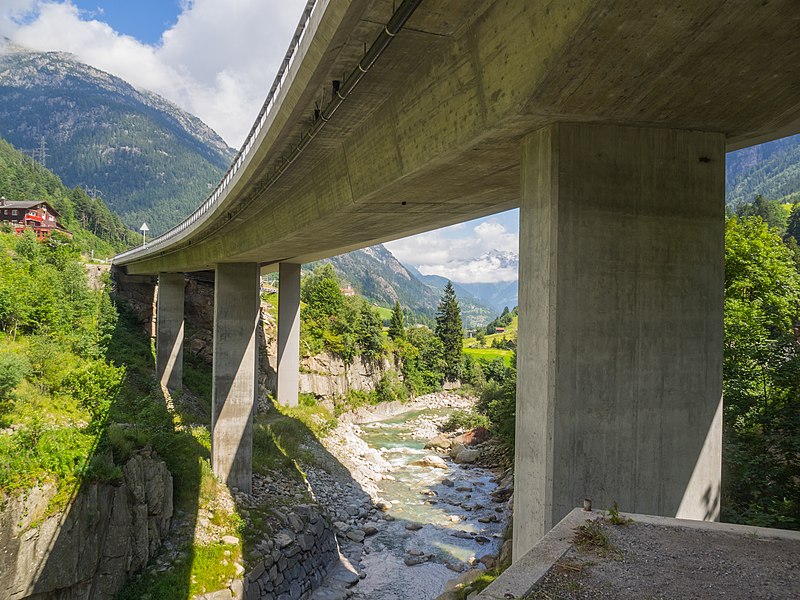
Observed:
{"x":616,"y":518}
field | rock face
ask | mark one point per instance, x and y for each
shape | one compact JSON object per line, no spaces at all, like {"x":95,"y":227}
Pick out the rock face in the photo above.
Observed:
{"x":297,"y":559}
{"x":327,"y":376}
{"x":107,"y":533}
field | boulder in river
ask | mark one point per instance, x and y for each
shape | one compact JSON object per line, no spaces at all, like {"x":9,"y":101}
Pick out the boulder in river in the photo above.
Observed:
{"x":383,"y":505}
{"x":474,"y":437}
{"x":439,"y":442}
{"x":429,"y":461}
{"x":467,"y":456}
{"x":456,"y":449}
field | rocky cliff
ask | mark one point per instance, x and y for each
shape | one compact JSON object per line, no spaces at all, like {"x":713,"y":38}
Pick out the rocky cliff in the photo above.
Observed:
{"x":107,"y":533}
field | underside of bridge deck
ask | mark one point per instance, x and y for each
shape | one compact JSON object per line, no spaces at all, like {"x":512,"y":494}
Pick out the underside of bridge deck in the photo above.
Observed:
{"x":623,"y":110}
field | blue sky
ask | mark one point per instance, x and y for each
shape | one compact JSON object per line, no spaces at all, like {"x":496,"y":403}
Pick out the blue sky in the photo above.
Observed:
{"x":217,"y":59}
{"x":144,"y":20}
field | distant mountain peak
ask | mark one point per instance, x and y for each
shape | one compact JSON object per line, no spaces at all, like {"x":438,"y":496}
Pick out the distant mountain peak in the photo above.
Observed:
{"x":150,"y":160}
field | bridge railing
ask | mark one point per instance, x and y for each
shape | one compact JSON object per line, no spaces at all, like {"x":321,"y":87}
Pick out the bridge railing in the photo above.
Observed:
{"x":247,"y":146}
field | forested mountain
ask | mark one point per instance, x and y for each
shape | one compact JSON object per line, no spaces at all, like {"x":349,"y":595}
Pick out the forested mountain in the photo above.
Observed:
{"x":94,"y":226}
{"x":771,"y":170}
{"x":378,"y":276}
{"x":150,"y":160}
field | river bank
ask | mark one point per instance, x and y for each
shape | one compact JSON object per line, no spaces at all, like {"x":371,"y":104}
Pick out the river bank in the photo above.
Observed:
{"x":408,"y":518}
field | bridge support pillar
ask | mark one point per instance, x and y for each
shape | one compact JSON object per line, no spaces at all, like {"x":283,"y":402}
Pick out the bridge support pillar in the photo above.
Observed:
{"x":288,"y":334}
{"x":620,"y":333}
{"x":169,"y":330}
{"x":236,"y":303}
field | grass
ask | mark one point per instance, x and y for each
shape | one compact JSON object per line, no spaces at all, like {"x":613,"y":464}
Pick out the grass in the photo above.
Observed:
{"x":490,"y":354}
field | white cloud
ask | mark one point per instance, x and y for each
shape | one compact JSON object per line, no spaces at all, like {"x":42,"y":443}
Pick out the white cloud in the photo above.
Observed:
{"x":217,"y":62}
{"x":486,"y":252}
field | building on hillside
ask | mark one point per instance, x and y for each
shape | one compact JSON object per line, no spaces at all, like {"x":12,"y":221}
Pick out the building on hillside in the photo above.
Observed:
{"x":348,"y":291}
{"x":36,"y":215}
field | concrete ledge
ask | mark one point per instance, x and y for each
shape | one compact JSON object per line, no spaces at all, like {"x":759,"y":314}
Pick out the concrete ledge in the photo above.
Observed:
{"x":523,"y":575}
{"x":520,"y":577}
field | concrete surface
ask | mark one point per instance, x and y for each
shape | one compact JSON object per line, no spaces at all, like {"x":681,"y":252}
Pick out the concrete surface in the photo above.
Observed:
{"x":169,"y":330}
{"x":734,"y":561}
{"x":619,"y":380}
{"x":288,"y":334}
{"x":431,"y":135}
{"x":236,"y":303}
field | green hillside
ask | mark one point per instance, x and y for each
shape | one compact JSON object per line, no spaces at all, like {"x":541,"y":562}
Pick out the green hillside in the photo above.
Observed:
{"x":771,"y":170}
{"x":149,"y":160}
{"x":94,"y":226}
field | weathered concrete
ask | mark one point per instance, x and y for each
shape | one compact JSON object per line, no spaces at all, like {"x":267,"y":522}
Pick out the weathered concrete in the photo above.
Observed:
{"x":288,"y":334}
{"x":620,"y":335}
{"x":431,"y":135}
{"x":169,"y":330}
{"x":236,"y":301}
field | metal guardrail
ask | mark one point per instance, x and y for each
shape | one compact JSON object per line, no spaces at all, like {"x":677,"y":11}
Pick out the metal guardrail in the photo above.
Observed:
{"x":247,"y":146}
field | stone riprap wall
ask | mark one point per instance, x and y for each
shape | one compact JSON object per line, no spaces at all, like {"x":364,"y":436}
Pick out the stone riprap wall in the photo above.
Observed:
{"x":106,"y":534}
{"x":140,"y":292}
{"x":296,"y":559}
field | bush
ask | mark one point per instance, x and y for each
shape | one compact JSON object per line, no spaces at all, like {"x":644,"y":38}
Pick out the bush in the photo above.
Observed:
{"x":95,"y":387}
{"x":390,"y":388}
{"x":13,"y":369}
{"x":465,"y":420}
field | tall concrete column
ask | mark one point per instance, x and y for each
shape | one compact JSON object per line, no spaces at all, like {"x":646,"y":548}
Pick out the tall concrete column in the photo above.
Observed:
{"x":169,"y":330}
{"x":288,"y":334}
{"x":620,"y":331}
{"x":236,"y":302}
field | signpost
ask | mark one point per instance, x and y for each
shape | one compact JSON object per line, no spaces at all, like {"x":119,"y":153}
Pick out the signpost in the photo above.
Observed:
{"x":144,"y":229}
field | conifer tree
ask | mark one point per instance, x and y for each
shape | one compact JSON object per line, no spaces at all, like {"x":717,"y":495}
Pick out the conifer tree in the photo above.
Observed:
{"x":397,"y":328}
{"x":448,"y":329}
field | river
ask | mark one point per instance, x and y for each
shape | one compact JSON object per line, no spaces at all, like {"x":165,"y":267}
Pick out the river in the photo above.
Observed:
{"x":441,"y":521}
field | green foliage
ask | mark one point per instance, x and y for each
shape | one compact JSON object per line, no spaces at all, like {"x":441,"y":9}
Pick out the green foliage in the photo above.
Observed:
{"x":345,"y":326}
{"x":94,"y":226}
{"x":95,"y":387}
{"x":498,"y":401}
{"x":480,"y":336}
{"x":771,"y":170}
{"x":397,"y":327}
{"x":390,"y":388}
{"x":13,"y":369}
{"x":465,"y":419}
{"x":761,"y":382}
{"x":422,"y":358}
{"x":770,"y":211}
{"x":449,"y":331}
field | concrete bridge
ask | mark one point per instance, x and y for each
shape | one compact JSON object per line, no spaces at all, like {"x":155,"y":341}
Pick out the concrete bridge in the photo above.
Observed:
{"x":606,"y":122}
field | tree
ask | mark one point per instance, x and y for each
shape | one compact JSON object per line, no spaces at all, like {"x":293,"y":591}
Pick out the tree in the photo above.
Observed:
{"x":793,"y":225}
{"x":448,"y":330}
{"x":770,"y":211}
{"x":397,"y":328}
{"x":761,"y":377}
{"x":480,"y":336}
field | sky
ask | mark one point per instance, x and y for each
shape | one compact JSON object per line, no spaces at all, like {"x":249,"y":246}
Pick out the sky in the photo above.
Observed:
{"x":217,"y":61}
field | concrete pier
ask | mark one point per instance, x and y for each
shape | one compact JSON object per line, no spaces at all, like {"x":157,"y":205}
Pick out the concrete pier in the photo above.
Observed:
{"x":169,"y":330}
{"x":620,"y":330}
{"x":288,"y":334}
{"x":236,"y":302}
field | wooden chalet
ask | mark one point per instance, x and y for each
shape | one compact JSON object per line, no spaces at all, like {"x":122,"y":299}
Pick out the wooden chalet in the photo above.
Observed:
{"x":36,"y":215}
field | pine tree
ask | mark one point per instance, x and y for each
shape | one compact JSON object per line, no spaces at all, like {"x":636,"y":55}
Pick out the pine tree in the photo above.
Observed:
{"x":397,"y":328}
{"x":448,"y":329}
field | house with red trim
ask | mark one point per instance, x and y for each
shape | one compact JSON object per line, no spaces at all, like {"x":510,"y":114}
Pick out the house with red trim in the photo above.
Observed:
{"x":36,"y":215}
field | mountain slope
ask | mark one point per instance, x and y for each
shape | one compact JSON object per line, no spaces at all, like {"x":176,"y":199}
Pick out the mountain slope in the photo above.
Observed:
{"x":150,"y":160}
{"x":95,"y":227}
{"x":771,"y":169}
{"x":377,"y":275}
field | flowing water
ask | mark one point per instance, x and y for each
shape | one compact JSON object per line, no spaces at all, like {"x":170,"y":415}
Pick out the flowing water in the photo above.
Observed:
{"x":444,"y":519}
